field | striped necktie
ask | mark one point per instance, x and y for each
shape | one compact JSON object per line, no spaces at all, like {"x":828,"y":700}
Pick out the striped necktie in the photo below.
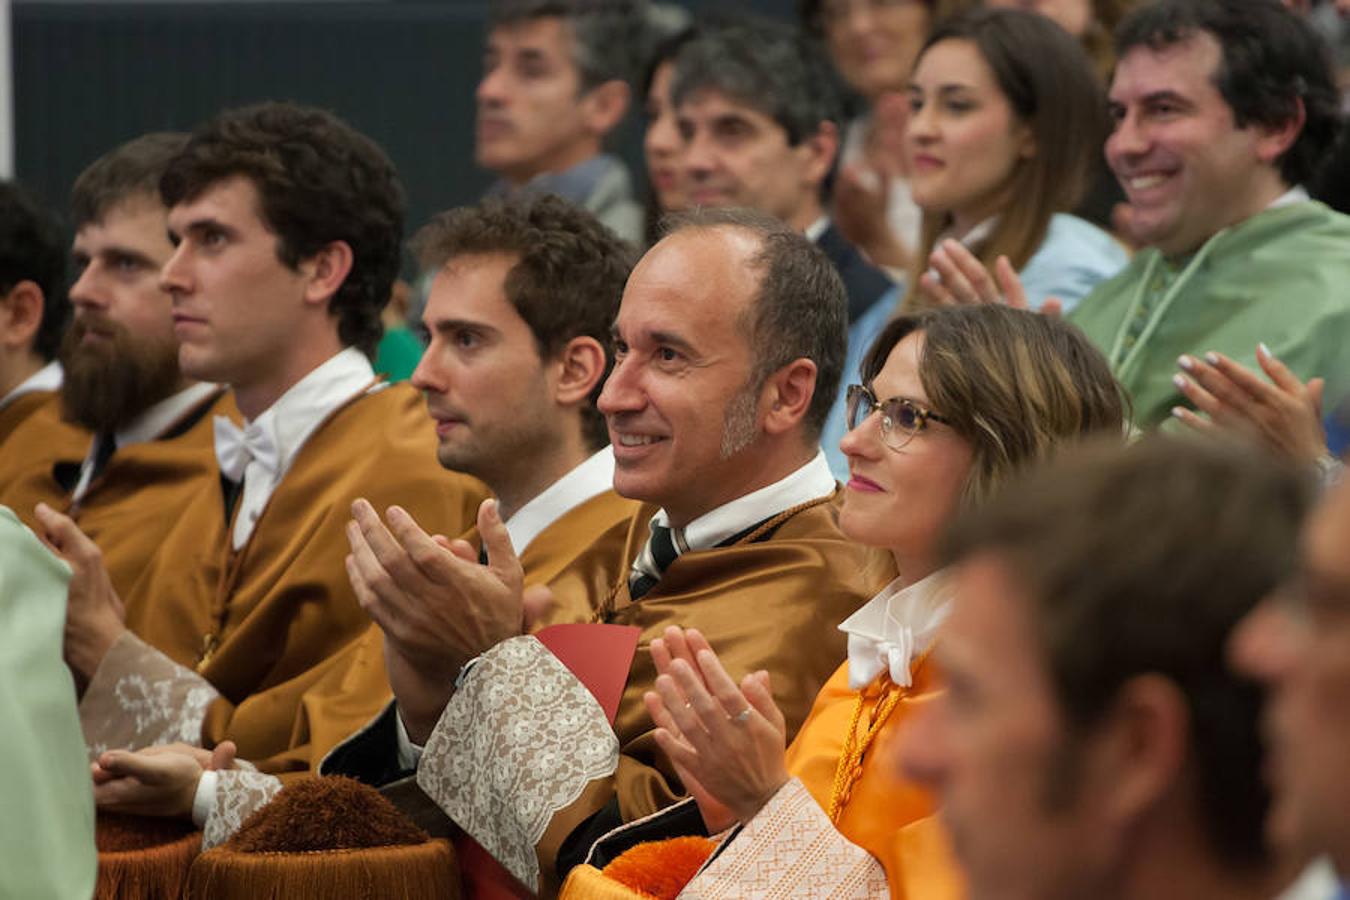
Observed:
{"x":661,"y":552}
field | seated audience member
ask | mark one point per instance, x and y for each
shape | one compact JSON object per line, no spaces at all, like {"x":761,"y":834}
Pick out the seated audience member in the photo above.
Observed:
{"x":662,"y":144}
{"x":1297,"y":644}
{"x":127,"y":440}
{"x":1091,"y":742}
{"x":759,"y":112}
{"x":519,"y":312}
{"x":949,"y":407}
{"x":1222,"y":112}
{"x":727,"y":345}
{"x":1004,"y":125}
{"x":556,"y":81}
{"x":33,"y":308}
{"x":287,"y":230}
{"x":873,"y":46}
{"x":47,"y":832}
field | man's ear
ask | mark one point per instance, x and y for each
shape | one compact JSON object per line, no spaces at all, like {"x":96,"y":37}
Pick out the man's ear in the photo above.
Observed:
{"x":786,"y":396}
{"x":604,"y":106}
{"x":325,"y":271}
{"x":818,"y":152}
{"x":1141,"y":748}
{"x":1273,"y":141}
{"x":580,"y":366}
{"x":21,"y":315}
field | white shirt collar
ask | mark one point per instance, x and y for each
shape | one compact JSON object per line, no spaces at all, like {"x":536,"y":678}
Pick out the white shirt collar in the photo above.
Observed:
{"x":817,"y":228}
{"x":810,"y":482}
{"x":298,"y":412}
{"x":47,"y":378}
{"x":894,"y":628}
{"x":590,"y":478}
{"x":1295,"y":194}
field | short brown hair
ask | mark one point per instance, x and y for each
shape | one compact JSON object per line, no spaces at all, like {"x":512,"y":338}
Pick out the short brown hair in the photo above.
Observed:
{"x":1014,"y":384}
{"x":319,"y":181}
{"x":568,"y":277}
{"x":1141,"y":560}
{"x":131,"y":170}
{"x":800,"y":310}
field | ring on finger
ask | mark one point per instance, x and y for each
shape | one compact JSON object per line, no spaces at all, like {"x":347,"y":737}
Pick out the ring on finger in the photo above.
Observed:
{"x":741,"y":717}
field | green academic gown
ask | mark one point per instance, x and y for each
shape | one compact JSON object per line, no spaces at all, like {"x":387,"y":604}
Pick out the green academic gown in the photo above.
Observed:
{"x":47,"y":830}
{"x":1281,"y":277}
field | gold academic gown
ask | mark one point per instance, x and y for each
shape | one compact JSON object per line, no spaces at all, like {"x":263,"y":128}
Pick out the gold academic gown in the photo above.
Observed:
{"x":14,"y":414}
{"x":130,"y":507}
{"x":772,"y":600}
{"x":887,"y":814}
{"x":260,"y":623}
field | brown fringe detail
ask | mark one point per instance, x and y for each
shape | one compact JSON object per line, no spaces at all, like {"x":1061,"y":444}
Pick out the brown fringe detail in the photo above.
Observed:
{"x":660,"y":869}
{"x":423,"y":871}
{"x":142,"y":857}
{"x":330,"y":813}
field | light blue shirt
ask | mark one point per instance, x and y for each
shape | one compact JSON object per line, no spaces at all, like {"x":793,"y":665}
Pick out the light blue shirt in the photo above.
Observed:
{"x":1074,"y":256}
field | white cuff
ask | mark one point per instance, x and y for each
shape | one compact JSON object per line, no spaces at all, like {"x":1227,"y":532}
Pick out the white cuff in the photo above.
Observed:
{"x":205,"y":798}
{"x":409,"y":754}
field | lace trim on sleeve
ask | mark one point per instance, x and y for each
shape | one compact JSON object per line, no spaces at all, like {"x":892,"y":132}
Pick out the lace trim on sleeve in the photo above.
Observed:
{"x":139,"y":697}
{"x":517,"y":743}
{"x":239,"y":794}
{"x":789,"y":849}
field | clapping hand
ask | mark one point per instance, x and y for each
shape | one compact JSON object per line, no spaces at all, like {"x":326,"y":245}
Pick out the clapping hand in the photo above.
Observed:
{"x":437,"y":606}
{"x":1284,"y":413}
{"x":962,"y":280}
{"x":726,"y":741}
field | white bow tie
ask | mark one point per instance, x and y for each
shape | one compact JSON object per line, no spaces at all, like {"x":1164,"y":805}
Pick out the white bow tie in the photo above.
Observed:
{"x":237,"y":447}
{"x":893,"y":629}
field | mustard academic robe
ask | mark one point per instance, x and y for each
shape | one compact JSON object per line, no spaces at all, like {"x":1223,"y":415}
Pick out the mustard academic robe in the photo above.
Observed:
{"x":15,"y":413}
{"x":259,"y":624}
{"x":581,"y":549}
{"x":131,"y":506}
{"x":547,"y":769}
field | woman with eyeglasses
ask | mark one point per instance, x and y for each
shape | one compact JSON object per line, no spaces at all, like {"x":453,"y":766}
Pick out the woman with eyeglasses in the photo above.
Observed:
{"x":951,"y":403}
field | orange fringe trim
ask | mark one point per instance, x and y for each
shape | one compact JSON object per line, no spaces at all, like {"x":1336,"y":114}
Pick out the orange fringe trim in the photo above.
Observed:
{"x":660,"y":869}
{"x":412,"y":872}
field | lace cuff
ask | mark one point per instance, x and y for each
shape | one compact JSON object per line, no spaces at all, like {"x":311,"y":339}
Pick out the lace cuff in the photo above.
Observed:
{"x":239,"y":793}
{"x":789,"y":849}
{"x":139,"y":697}
{"x":517,"y":743}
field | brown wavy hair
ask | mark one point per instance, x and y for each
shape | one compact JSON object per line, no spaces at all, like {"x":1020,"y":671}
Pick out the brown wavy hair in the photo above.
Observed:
{"x":1014,"y":384}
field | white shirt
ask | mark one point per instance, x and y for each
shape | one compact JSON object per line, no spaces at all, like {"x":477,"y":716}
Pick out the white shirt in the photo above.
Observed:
{"x":894,"y":628}
{"x":588,"y":479}
{"x":291,"y":420}
{"x":148,"y":426}
{"x":47,"y":378}
{"x":810,"y":482}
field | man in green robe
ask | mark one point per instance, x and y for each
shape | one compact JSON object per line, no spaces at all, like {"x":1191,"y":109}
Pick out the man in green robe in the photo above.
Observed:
{"x":1222,"y":111}
{"x":47,"y":833}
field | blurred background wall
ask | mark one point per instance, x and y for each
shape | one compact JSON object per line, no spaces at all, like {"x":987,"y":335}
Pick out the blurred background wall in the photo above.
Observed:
{"x":88,"y":75}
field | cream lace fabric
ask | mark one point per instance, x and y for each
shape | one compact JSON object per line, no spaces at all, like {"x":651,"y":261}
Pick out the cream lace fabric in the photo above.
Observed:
{"x":517,"y":743}
{"x":789,"y":850}
{"x":239,"y":793}
{"x":139,"y":697}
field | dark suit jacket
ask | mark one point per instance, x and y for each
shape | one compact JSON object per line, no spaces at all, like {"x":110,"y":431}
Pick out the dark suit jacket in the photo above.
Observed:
{"x":864,"y":282}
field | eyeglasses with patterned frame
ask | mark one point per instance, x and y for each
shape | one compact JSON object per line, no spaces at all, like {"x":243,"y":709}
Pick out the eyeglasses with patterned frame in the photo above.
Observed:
{"x":901,"y":418}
